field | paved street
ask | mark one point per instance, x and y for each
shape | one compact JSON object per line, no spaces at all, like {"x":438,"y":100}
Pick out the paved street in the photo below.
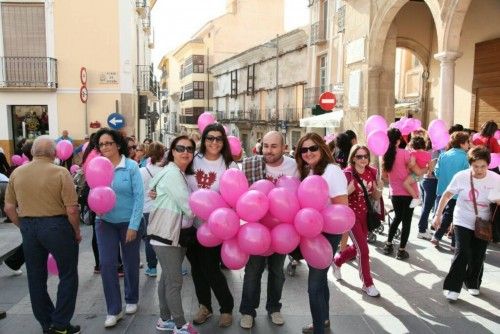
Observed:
{"x":411,"y":302}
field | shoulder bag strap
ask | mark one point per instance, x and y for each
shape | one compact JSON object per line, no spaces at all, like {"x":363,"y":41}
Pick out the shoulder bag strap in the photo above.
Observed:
{"x":473,"y":194}
{"x":149,"y":172}
{"x":367,"y":200}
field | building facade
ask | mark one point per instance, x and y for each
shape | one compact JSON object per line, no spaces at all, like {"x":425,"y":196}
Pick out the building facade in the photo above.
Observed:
{"x":45,"y":46}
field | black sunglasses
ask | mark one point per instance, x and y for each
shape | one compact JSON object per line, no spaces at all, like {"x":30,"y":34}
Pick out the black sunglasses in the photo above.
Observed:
{"x":362,"y":156}
{"x":313,"y":148}
{"x":182,"y":149}
{"x":214,"y":139}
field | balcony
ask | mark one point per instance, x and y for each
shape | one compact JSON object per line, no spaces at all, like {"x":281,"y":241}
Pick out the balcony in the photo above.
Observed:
{"x":318,"y":33}
{"x":146,"y":21}
{"x":140,"y":6}
{"x":38,"y":73}
{"x":146,"y":81}
{"x":236,"y":116}
{"x":311,"y":95}
{"x":341,"y":19}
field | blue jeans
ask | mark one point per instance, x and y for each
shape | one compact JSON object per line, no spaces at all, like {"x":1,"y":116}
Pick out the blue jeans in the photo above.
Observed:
{"x":109,"y":237}
{"x":251,"y":283}
{"x":150,"y":253}
{"x":428,"y":187}
{"x":54,"y":235}
{"x":319,"y":294}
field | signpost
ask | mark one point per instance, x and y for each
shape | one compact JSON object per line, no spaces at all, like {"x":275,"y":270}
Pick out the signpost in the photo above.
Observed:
{"x":327,"y":101}
{"x":116,"y":121}
{"x":84,"y":93}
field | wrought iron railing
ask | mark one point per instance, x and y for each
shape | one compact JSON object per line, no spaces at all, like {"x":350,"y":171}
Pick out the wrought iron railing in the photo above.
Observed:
{"x":311,"y":95}
{"x":146,"y":80}
{"x":318,"y":32}
{"x":28,"y":72}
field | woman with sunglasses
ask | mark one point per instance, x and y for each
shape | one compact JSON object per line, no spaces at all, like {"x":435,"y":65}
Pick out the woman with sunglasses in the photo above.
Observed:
{"x":119,"y":227}
{"x":314,"y":158}
{"x":170,"y":214}
{"x":359,"y":171}
{"x":213,"y":159}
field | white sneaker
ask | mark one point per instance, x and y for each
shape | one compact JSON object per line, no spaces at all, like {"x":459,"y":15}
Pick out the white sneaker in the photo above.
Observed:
{"x":415,"y":202}
{"x":111,"y":320}
{"x":371,"y":291}
{"x":424,"y":235}
{"x":246,"y":321}
{"x":473,"y":292}
{"x":15,"y":272}
{"x":452,"y":296}
{"x":336,"y":272}
{"x":130,"y":308}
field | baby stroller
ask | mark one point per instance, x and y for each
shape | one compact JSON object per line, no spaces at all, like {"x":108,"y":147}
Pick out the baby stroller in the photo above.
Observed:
{"x":389,"y":215}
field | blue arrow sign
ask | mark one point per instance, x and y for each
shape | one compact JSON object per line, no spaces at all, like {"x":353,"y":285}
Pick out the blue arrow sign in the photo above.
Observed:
{"x":116,"y":121}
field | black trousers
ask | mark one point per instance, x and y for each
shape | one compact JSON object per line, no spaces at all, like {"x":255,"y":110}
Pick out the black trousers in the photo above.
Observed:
{"x":468,"y":262}
{"x":402,"y":213}
{"x":16,"y":260}
{"x":207,"y":276}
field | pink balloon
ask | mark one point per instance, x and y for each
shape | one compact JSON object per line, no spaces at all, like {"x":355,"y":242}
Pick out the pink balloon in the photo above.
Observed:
{"x":25,"y":158}
{"x":73,"y":169}
{"x":25,"y":162}
{"x":233,"y":184}
{"x":268,"y":252}
{"x":437,"y":125}
{"x":254,"y":238}
{"x":283,"y":204}
{"x":52,"y":266}
{"x":234,"y":145}
{"x":17,"y":160}
{"x":378,"y":142}
{"x":64,"y":149}
{"x":497,"y":135}
{"x":308,"y":222}
{"x":100,"y":172}
{"x":284,"y":238}
{"x":252,"y":206}
{"x":338,"y":219}
{"x":288,"y":182}
{"x":495,"y":160}
{"x":270,"y":221}
{"x":101,"y":200}
{"x":206,"y":237}
{"x":439,"y":140}
{"x":317,"y":251}
{"x":313,"y":192}
{"x":84,"y":147}
{"x":375,"y":122}
{"x":232,"y":255}
{"x":408,"y":126}
{"x":226,"y":130}
{"x":94,"y":153}
{"x":264,"y":186}
{"x":205,"y":119}
{"x":224,"y":223}
{"x":205,"y":201}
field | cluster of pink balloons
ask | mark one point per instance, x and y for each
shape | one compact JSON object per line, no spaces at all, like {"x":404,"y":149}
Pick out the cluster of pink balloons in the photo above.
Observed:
{"x":407,"y":125}
{"x":376,"y":134}
{"x":64,"y":150}
{"x":99,"y":175}
{"x":438,"y":133}
{"x":18,"y":160}
{"x":263,"y":219}
{"x":208,"y":118}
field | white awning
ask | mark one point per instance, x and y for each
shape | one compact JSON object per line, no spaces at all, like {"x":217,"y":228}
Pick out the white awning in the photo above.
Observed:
{"x":327,"y":120}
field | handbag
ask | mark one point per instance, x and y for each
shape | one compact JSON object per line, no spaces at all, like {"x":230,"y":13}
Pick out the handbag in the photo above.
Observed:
{"x":483,"y":229}
{"x":372,"y":217}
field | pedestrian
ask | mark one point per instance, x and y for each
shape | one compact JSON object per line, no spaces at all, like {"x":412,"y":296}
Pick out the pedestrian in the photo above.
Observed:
{"x":422,"y":159}
{"x":49,"y":224}
{"x":314,"y":158}
{"x":4,"y":165}
{"x":397,"y":163}
{"x":131,"y":147}
{"x":448,"y":164}
{"x":155,"y":165}
{"x":487,"y":138}
{"x":213,"y":159}
{"x":272,"y":165}
{"x":64,"y":136}
{"x":169,"y":219}
{"x":361,"y":180}
{"x":472,"y":188}
{"x":119,"y":228}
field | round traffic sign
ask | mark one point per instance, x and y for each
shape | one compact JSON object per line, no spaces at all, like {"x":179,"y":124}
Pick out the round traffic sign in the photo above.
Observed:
{"x":116,"y":121}
{"x":83,"y":76}
{"x":84,"y":94}
{"x":327,"y":101}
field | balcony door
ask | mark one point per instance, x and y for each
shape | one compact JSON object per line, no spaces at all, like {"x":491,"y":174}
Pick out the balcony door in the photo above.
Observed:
{"x":24,"y":44}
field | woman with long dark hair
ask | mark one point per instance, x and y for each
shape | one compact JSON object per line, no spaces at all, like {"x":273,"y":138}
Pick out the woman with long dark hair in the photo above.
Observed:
{"x":487,"y":137}
{"x":397,"y":164}
{"x":213,"y":159}
{"x":314,"y":158}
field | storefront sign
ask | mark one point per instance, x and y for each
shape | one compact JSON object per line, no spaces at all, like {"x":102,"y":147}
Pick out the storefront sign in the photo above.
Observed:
{"x":108,"y":78}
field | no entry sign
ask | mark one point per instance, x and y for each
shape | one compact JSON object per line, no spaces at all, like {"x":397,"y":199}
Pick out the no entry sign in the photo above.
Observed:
{"x":327,"y":101}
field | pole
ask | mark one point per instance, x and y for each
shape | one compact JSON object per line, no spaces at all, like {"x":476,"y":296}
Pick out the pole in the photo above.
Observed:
{"x":277,"y":84}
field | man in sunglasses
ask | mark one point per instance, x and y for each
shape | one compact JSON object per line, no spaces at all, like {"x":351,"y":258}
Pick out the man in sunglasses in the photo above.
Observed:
{"x":271,"y":165}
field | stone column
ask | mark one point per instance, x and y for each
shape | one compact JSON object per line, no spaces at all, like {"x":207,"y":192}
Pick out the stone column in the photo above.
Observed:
{"x":447,"y":85}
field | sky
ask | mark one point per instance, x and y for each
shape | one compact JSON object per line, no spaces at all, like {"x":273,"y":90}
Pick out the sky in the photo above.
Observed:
{"x":175,"y":21}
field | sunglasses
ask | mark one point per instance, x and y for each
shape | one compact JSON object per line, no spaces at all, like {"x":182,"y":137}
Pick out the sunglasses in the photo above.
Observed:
{"x":106,"y":144}
{"x":214,"y":139}
{"x":182,"y":149}
{"x":313,"y":148}
{"x":132,"y":147}
{"x":362,"y":156}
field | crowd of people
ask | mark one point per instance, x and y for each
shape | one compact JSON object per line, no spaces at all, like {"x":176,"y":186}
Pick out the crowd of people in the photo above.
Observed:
{"x":153,"y":183}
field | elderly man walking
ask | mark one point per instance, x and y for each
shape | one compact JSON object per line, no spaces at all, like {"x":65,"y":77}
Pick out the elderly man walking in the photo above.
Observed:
{"x":47,"y":214}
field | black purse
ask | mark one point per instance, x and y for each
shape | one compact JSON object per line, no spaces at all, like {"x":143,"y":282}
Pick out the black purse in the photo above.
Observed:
{"x":372,"y":217}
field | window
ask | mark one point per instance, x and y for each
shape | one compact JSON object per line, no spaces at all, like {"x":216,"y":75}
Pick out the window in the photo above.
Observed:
{"x":324,"y":12}
{"x":322,"y":73}
{"x":234,"y":83}
{"x":199,"y":90}
{"x":193,"y":64}
{"x":251,"y":79}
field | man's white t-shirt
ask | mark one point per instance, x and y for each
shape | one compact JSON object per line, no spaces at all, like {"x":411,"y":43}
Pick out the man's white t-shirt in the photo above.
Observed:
{"x":464,"y":214}
{"x":336,"y":180}
{"x":288,"y":167}
{"x":207,"y":173}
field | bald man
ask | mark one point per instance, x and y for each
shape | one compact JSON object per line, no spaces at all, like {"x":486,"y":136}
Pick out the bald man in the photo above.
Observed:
{"x":271,"y":166}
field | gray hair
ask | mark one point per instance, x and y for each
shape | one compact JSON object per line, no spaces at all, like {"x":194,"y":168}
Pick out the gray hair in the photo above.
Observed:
{"x":44,"y":146}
